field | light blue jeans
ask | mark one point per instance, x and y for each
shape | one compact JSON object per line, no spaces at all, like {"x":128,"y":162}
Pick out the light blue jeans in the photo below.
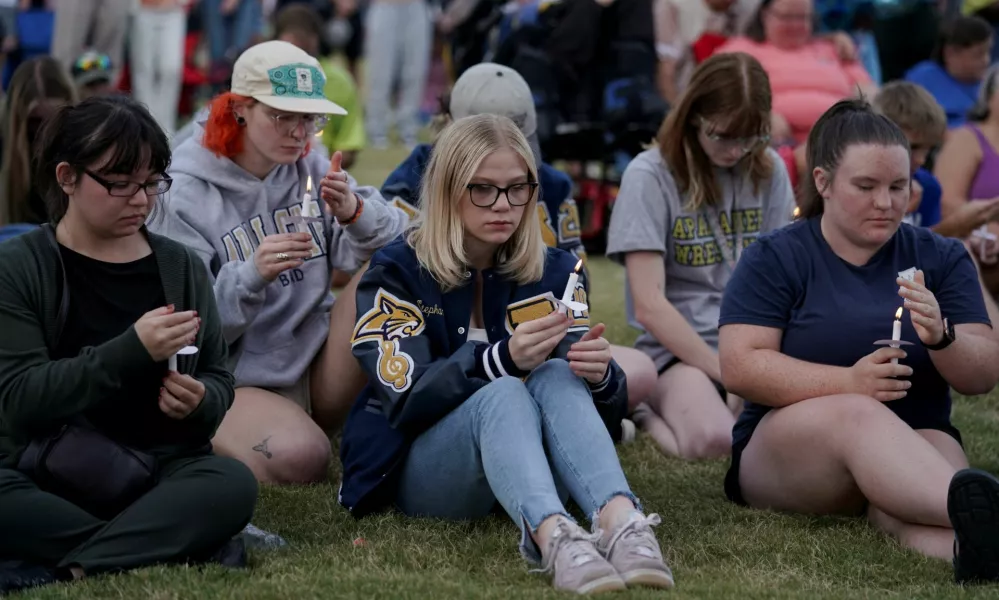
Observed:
{"x":398,"y":40}
{"x":229,"y":35}
{"x":518,"y":443}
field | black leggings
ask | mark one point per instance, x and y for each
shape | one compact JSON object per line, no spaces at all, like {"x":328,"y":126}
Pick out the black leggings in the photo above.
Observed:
{"x":198,"y":505}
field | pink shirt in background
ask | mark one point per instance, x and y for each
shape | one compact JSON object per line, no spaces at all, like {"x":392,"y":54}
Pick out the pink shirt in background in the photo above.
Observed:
{"x":805,"y":81}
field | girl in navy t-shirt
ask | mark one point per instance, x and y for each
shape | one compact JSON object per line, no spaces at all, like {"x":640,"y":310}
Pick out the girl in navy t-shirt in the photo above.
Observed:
{"x":834,"y":423}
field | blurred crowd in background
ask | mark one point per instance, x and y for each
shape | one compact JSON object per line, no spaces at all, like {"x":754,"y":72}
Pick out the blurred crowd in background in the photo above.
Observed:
{"x":603,"y":72}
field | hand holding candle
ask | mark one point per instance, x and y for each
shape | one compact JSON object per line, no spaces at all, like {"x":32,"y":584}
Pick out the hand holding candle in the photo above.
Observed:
{"x":923,"y":309}
{"x":180,"y":395}
{"x":164,"y":332}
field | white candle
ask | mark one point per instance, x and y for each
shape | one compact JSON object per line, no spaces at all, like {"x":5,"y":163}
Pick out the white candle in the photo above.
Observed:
{"x":307,"y":199}
{"x":570,"y":287}
{"x":172,"y":362}
{"x":896,"y":331}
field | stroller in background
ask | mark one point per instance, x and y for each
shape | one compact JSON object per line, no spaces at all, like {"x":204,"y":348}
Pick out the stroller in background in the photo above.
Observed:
{"x":594,"y":115}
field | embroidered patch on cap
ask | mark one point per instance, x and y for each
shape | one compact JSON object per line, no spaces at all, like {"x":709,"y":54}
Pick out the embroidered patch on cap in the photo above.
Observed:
{"x":297,"y":80}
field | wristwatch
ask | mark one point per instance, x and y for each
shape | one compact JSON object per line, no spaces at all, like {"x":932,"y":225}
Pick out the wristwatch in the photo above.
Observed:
{"x":948,"y":337}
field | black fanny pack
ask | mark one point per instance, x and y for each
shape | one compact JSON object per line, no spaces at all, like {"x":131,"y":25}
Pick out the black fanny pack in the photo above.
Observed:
{"x":84,"y":466}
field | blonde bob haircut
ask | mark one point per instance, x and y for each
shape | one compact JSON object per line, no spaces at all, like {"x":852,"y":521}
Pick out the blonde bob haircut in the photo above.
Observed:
{"x":438,"y":234}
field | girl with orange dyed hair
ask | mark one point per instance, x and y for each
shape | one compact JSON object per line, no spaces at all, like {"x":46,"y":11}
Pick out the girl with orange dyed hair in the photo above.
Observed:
{"x":240,"y":182}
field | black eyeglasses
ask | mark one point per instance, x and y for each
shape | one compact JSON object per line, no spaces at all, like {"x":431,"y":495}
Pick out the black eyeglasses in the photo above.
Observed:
{"x":485,"y":195}
{"x":127,"y":189}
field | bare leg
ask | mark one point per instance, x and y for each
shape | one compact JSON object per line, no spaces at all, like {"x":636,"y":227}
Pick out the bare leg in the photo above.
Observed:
{"x":697,"y":416}
{"x":931,"y":541}
{"x":336,"y":376}
{"x":649,"y":421}
{"x":640,"y":372}
{"x":832,"y":454}
{"x":274,"y":437}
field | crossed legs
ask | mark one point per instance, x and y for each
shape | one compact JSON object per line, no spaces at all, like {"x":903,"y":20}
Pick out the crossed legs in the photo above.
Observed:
{"x":836,"y":454}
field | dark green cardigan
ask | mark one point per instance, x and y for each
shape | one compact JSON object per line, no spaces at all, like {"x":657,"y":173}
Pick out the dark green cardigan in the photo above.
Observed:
{"x":37,"y":394}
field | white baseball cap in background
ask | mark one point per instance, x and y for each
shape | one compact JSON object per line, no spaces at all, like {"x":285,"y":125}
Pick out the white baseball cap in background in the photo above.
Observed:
{"x":284,"y":77}
{"x":490,"y":88}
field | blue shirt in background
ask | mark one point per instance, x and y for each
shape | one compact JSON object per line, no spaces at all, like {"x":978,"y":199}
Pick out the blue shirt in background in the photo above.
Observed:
{"x":928,"y":213}
{"x":954,"y":96}
{"x":832,"y":312}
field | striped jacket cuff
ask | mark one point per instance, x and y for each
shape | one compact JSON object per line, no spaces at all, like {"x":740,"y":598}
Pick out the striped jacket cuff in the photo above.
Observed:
{"x":599,"y":387}
{"x":494,"y":361}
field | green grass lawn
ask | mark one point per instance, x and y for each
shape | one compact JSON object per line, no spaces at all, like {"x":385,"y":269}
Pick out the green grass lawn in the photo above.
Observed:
{"x":716,"y":549}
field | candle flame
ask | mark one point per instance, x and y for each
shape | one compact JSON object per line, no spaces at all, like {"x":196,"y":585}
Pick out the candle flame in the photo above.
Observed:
{"x":898,"y":313}
{"x":308,"y":185}
{"x":579,"y":266}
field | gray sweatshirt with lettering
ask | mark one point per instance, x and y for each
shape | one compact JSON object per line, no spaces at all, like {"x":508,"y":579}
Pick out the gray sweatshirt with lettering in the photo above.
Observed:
{"x":223,"y":212}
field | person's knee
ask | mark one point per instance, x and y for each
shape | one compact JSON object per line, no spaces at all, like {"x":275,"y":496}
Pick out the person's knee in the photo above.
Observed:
{"x":299,"y":458}
{"x":848,"y":408}
{"x":706,"y":443}
{"x":555,"y":369}
{"x":641,"y":378}
{"x":241,"y":487}
{"x":502,"y":396}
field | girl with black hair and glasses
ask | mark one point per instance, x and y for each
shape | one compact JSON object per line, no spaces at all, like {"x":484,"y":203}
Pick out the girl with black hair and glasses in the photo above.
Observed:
{"x":105,"y":455}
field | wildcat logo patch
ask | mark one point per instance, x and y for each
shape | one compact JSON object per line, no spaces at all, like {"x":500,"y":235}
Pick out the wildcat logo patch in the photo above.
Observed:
{"x":568,"y":221}
{"x":389,"y":321}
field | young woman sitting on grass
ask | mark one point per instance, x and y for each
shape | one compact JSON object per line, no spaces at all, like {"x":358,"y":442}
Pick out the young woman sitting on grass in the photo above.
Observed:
{"x":238,"y":183}
{"x":686,"y":210}
{"x":834,"y":424}
{"x":489,"y":88}
{"x":483,"y":389}
{"x":105,"y":454}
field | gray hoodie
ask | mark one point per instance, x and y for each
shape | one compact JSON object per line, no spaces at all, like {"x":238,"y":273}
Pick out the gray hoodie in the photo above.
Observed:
{"x":275,"y":329}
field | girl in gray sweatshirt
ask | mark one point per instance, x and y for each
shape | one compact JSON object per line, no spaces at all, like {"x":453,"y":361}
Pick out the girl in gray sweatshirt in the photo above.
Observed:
{"x":239,"y":183}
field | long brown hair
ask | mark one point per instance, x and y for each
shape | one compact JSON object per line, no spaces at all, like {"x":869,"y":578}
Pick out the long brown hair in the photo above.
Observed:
{"x":34,"y":82}
{"x":734,"y":90}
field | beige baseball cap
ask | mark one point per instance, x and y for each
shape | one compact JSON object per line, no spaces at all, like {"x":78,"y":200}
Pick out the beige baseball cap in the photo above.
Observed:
{"x":490,"y":88}
{"x":285,"y":77}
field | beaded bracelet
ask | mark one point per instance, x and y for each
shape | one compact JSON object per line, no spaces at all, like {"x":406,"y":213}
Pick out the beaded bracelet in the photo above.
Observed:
{"x":357,"y":212}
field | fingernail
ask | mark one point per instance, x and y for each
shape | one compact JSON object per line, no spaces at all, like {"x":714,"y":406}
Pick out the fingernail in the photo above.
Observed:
{"x":170,"y":307}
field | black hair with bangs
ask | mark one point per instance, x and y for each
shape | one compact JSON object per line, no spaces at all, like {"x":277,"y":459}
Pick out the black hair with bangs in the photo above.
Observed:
{"x":106,"y":134}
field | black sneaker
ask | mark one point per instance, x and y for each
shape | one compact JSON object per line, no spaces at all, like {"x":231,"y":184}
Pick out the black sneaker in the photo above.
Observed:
{"x":231,"y":555}
{"x":973,"y":508}
{"x":16,"y":576}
